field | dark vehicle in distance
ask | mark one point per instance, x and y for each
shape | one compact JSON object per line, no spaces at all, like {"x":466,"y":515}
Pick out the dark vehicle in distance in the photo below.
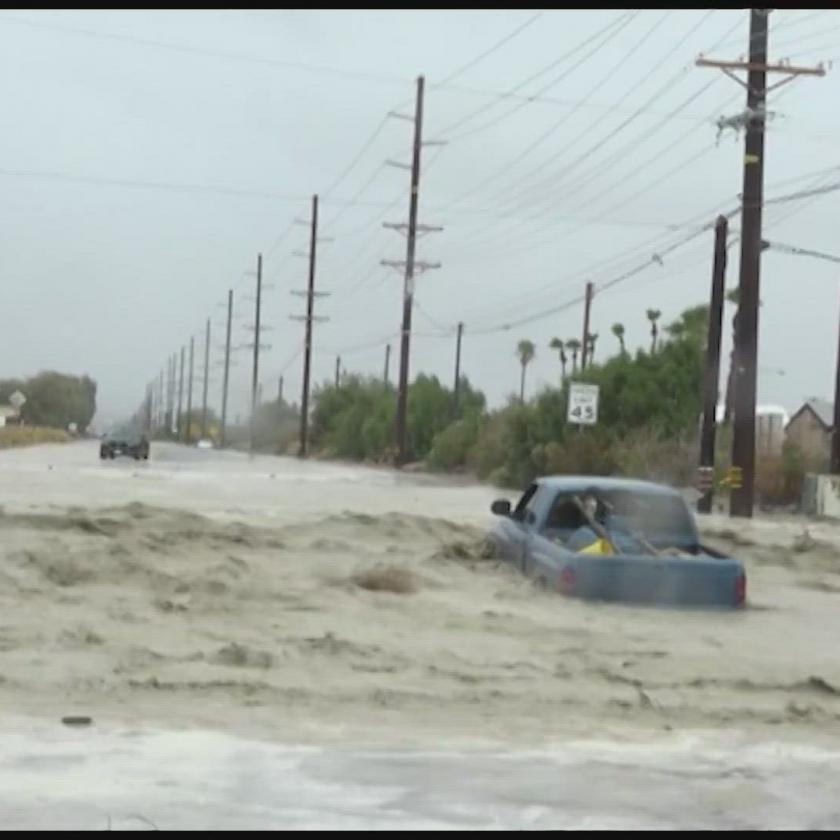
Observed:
{"x":644,"y":549}
{"x":127,"y":441}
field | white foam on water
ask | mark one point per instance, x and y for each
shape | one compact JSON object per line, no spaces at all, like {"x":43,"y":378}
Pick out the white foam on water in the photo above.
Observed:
{"x":54,"y":777}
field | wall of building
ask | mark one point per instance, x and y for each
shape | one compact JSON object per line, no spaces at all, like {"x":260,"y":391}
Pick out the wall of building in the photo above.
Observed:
{"x":806,"y":432}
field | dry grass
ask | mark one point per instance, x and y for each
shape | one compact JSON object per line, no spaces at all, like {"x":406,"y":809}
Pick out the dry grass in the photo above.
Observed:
{"x":643,"y":454}
{"x":15,"y":436}
{"x":387,"y":579}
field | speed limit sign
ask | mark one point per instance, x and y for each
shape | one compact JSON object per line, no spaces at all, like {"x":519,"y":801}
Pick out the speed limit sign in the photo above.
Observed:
{"x":583,"y":404}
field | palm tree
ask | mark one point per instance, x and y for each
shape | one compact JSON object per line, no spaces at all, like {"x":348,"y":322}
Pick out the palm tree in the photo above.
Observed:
{"x":653,"y":317}
{"x":618,"y":332}
{"x":557,"y":344}
{"x":590,"y":352}
{"x":574,"y":345}
{"x":526,"y":352}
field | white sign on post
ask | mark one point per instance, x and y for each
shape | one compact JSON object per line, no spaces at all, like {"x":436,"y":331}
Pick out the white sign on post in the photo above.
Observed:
{"x":17,"y":400}
{"x":583,"y":404}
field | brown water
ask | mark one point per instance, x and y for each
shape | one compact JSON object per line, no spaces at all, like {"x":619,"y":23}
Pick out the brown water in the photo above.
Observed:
{"x":345,"y":608}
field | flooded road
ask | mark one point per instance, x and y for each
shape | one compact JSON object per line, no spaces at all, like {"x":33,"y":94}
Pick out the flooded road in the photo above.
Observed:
{"x":266,"y":643}
{"x":93,"y":780}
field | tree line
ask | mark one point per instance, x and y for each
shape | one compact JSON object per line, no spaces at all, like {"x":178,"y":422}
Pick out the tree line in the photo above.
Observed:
{"x":53,"y":400}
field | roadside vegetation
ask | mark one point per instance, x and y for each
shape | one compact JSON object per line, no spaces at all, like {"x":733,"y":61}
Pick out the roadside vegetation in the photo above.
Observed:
{"x":648,"y":425}
{"x":15,"y":436}
{"x":53,"y":400}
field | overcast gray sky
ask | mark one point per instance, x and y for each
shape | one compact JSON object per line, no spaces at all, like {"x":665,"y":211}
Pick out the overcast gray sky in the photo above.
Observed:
{"x":146,"y":157}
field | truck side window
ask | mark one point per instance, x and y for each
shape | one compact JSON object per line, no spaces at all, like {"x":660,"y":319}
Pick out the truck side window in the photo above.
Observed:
{"x":519,"y":511}
{"x":565,"y":515}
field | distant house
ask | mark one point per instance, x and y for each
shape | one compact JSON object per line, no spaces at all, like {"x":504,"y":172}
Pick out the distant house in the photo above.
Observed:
{"x":770,"y":422}
{"x":9,"y":416}
{"x":810,"y":429}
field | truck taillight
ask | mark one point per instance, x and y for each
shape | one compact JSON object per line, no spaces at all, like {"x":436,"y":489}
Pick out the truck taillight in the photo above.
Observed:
{"x":741,"y":589}
{"x":567,"y":578}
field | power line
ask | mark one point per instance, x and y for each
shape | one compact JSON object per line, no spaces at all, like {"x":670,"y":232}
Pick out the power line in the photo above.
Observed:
{"x":618,"y":24}
{"x":542,"y":207}
{"x":617,"y":156}
{"x":355,"y":198}
{"x":557,"y":125}
{"x":368,"y":143}
{"x":176,"y":187}
{"x":657,"y":259}
{"x":209,"y":52}
{"x":498,"y":45}
{"x":805,"y":252}
{"x":584,"y":134}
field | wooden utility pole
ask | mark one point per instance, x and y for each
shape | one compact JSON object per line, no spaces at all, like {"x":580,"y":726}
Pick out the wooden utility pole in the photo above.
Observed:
{"x":408,"y":292}
{"x":310,"y":294}
{"x":307,"y":350}
{"x":587,"y":306}
{"x":280,"y":391}
{"x":161,"y":401}
{"x":835,"y":432}
{"x":457,"y":388}
{"x":170,"y":391}
{"x":255,"y":373}
{"x":150,"y":398}
{"x":188,"y":427}
{"x":746,"y":335}
{"x":387,"y":362}
{"x":411,"y":266}
{"x":206,"y":380}
{"x":337,"y":371}
{"x":167,"y":388}
{"x":711,"y":382}
{"x":226,"y":377}
{"x":173,"y":401}
{"x":180,"y":395}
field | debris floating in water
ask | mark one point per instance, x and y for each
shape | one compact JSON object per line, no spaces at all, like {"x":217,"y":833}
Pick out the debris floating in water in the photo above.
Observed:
{"x":77,"y":720}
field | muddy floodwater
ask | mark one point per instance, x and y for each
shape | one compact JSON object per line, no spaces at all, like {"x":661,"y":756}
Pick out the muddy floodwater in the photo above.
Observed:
{"x":269,"y":643}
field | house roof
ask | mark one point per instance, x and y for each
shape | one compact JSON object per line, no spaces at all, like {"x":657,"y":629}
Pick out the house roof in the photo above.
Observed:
{"x":822,"y":410}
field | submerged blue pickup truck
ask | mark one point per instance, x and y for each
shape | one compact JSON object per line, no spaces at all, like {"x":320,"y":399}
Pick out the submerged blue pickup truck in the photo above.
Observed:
{"x":642,"y":546}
